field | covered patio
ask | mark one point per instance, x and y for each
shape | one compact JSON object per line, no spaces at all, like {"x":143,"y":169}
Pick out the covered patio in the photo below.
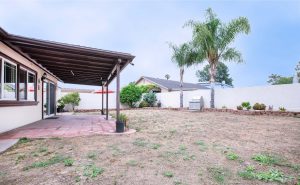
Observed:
{"x":76,"y":65}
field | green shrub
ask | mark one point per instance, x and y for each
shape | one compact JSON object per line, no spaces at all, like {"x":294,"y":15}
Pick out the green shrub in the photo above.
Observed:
{"x":282,"y":109}
{"x":130,"y":94}
{"x":147,"y":88}
{"x":239,"y":107}
{"x":259,"y":106}
{"x":168,"y":174}
{"x":248,"y":108}
{"x":71,"y":98}
{"x":143,"y":104}
{"x":68,"y":162}
{"x":245,"y":104}
{"x":150,"y":98}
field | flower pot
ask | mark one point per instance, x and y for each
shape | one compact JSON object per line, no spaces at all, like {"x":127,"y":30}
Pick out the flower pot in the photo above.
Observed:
{"x":120,"y":126}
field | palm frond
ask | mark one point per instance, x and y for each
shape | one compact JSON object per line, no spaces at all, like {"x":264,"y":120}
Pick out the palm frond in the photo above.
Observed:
{"x":231,"y":54}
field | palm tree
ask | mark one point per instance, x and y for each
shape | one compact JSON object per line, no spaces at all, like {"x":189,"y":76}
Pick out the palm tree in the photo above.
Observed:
{"x":180,"y":57}
{"x":211,"y":42}
{"x":167,"y":76}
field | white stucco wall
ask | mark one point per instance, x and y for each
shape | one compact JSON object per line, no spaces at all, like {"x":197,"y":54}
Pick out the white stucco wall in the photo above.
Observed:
{"x":16,"y":116}
{"x":287,"y":96}
{"x":94,"y":101}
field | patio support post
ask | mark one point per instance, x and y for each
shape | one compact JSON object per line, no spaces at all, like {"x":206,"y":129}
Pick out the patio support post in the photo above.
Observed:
{"x":107,"y":102}
{"x":118,"y":90}
{"x":102,"y":110}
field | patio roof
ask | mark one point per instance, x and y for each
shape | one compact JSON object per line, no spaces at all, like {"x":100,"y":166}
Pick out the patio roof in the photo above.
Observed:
{"x":69,"y":63}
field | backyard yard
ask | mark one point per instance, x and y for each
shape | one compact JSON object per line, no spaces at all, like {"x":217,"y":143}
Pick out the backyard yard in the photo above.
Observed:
{"x":169,"y":147}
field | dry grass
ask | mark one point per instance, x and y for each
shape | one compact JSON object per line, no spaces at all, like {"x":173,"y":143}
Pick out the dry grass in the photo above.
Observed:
{"x":170,"y":147}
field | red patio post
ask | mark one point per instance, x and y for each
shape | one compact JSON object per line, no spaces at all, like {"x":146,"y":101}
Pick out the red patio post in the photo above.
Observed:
{"x":102,"y":110}
{"x":106,"y":101}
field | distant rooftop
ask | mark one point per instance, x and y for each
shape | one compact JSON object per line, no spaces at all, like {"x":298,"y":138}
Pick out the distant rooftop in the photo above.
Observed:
{"x":172,"y":85}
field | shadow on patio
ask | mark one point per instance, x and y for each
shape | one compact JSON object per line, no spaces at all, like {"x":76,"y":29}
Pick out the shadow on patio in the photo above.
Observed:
{"x":65,"y":126}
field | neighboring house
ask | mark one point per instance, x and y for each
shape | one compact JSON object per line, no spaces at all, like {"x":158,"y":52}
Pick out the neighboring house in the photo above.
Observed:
{"x":168,"y":85}
{"x":217,"y":85}
{"x":31,"y":68}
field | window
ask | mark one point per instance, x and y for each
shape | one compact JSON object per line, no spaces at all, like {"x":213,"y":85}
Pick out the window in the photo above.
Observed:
{"x":22,"y":84}
{"x":31,"y":87}
{"x":10,"y":81}
{"x":10,"y":75}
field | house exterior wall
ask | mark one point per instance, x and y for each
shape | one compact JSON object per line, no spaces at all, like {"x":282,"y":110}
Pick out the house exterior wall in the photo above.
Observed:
{"x":15,"y":116}
{"x":286,"y":96}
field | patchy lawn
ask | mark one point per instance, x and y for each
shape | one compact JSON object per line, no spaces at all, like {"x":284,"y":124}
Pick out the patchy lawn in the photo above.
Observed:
{"x":170,"y":147}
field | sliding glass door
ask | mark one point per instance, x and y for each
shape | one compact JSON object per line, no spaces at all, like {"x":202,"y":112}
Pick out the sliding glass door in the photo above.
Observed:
{"x":48,"y":99}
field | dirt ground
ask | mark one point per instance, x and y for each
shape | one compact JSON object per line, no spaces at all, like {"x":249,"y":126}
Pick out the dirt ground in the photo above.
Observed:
{"x":169,"y":147}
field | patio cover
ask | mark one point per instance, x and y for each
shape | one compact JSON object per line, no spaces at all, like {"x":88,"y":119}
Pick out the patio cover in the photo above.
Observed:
{"x":70,"y":63}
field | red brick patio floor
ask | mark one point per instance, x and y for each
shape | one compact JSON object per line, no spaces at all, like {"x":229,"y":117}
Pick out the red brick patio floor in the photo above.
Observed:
{"x":65,"y":126}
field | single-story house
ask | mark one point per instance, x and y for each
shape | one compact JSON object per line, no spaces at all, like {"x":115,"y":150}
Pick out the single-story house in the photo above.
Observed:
{"x":31,"y":68}
{"x":165,"y":85}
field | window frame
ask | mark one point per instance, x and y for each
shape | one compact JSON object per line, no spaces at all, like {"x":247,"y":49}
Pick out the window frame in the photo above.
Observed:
{"x":4,"y":60}
{"x":4,"y":102}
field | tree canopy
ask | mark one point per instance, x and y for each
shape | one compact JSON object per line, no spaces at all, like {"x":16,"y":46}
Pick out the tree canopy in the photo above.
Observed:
{"x":130,"y":94}
{"x":275,"y":79}
{"x":222,"y":74}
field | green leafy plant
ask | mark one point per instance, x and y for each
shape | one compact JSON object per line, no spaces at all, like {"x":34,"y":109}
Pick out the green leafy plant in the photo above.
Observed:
{"x":219,"y":174}
{"x":232,"y":156}
{"x":132,"y":163}
{"x":248,"y":108}
{"x":248,"y":173}
{"x":72,"y":98}
{"x":239,"y":107}
{"x":68,"y":162}
{"x":92,"y":171}
{"x":282,"y":109}
{"x":143,"y":104}
{"x":147,"y":88}
{"x":150,"y":98}
{"x":130,"y":94}
{"x":123,"y":118}
{"x":259,"y":106}
{"x":53,"y":160}
{"x":245,"y":104}
{"x":24,"y":140}
{"x":266,"y":159}
{"x":60,"y":104}
{"x":168,"y":174}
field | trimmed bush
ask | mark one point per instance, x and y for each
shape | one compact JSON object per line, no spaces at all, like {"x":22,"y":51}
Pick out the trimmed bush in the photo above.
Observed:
{"x":130,"y":94}
{"x":143,"y":104}
{"x":150,"y":98}
{"x":239,"y":107}
{"x":259,"y":106}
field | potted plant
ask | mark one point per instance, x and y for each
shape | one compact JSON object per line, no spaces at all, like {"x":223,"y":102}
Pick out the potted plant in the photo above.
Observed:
{"x":60,"y":105}
{"x":121,"y":123}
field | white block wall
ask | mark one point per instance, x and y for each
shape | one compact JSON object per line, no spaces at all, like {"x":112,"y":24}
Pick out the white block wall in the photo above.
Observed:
{"x":287,"y":96}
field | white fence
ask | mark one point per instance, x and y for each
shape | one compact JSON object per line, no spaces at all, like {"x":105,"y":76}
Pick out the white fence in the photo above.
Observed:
{"x":287,"y":96}
{"x":93,"y":101}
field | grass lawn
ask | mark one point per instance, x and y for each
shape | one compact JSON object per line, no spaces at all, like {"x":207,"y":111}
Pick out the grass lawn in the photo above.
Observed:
{"x":170,"y":147}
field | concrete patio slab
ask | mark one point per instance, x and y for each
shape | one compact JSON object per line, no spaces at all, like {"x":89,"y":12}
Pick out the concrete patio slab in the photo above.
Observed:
{"x":7,"y":143}
{"x":65,"y":126}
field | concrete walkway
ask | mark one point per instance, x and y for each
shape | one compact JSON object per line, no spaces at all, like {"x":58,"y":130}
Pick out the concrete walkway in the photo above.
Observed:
{"x":7,"y":143}
{"x":65,"y":126}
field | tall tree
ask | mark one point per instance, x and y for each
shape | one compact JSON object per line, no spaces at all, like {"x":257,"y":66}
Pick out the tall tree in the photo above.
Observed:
{"x":180,"y":57}
{"x":167,"y":76}
{"x":211,"y":42}
{"x":222,"y":74}
{"x":275,"y":79}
